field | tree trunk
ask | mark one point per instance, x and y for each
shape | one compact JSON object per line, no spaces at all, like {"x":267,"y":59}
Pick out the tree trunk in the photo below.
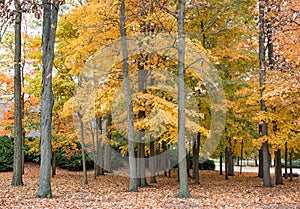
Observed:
{"x":221,"y":166}
{"x":266,"y":165}
{"x":226,"y":163}
{"x":99,"y":147}
{"x":49,"y":31}
{"x":260,"y":166}
{"x":17,"y":166}
{"x":291,"y":166}
{"x":53,"y":163}
{"x":262,"y":80}
{"x":285,"y":160}
{"x":184,"y":188}
{"x":164,"y":158}
{"x":152,"y":161}
{"x":196,"y":148}
{"x":278,"y":167}
{"x":85,"y":181}
{"x":107,"y":160}
{"x":241,"y":168}
{"x":132,"y":161}
{"x":230,"y":162}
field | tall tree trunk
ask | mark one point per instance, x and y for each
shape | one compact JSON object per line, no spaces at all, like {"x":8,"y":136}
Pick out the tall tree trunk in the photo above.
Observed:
{"x":291,"y":166}
{"x":184,"y":188}
{"x":17,"y":166}
{"x":99,"y":147}
{"x":262,"y":80}
{"x":196,"y":149}
{"x":242,"y":147}
{"x":230,"y":162}
{"x":107,"y":160}
{"x":93,"y":128}
{"x":132,"y":161}
{"x":226,"y":163}
{"x":53,"y":163}
{"x":85,"y":181}
{"x":221,"y":166}
{"x":260,"y":165}
{"x":152,"y":161}
{"x":50,"y":13}
{"x":285,"y":160}
{"x":278,"y":167}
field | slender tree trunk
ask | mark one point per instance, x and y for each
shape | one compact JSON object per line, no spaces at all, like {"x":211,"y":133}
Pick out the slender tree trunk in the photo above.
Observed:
{"x":132,"y":161}
{"x":230,"y":162}
{"x":50,"y":13}
{"x":285,"y":160}
{"x":242,"y":147}
{"x":152,"y":161}
{"x":17,"y":166}
{"x":291,"y":166}
{"x":85,"y":181}
{"x":196,"y":149}
{"x":184,"y":188}
{"x":53,"y":163}
{"x":260,"y":166}
{"x":278,"y":167}
{"x":221,"y":166}
{"x":107,"y":160}
{"x":164,"y":158}
{"x":99,"y":147}
{"x":262,"y":75}
{"x":226,"y":163}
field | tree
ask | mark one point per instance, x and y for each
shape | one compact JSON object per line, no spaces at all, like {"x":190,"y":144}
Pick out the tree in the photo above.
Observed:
{"x":262,"y":80}
{"x":50,"y":15}
{"x":18,"y":133}
{"x":184,"y":189}
{"x":132,"y":161}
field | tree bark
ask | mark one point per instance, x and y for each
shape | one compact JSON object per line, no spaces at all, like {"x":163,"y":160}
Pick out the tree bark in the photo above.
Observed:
{"x":285,"y":161}
{"x":107,"y":160}
{"x":291,"y":166}
{"x":226,"y":163}
{"x":260,"y":165}
{"x":221,"y":166}
{"x":18,"y":138}
{"x":132,"y":161}
{"x":196,"y":148}
{"x":262,"y":76}
{"x":278,"y":167}
{"x":99,"y":147}
{"x":85,"y":181}
{"x":242,"y":147}
{"x":53,"y":163}
{"x":230,"y":162}
{"x":184,"y":188}
{"x":152,"y":161}
{"x":50,"y":13}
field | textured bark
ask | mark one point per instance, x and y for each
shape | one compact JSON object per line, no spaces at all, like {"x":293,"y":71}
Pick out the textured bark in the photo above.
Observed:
{"x":242,"y":147}
{"x":291,"y":166}
{"x":132,"y":161}
{"x":152,"y":161}
{"x":230,"y":162}
{"x":53,"y":163}
{"x":221,"y":167}
{"x":196,"y":149}
{"x":262,"y":77}
{"x":278,"y":167}
{"x":107,"y":160}
{"x":285,"y":160}
{"x":18,"y":136}
{"x":226,"y":163}
{"x":85,"y":181}
{"x":99,"y":148}
{"x":50,"y":13}
{"x":184,"y":188}
{"x":260,"y":165}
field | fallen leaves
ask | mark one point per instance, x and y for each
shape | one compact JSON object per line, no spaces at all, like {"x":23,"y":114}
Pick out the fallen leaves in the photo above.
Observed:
{"x":110,"y":191}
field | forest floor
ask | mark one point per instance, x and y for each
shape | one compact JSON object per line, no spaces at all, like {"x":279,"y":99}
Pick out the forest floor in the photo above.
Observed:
{"x":110,"y":191}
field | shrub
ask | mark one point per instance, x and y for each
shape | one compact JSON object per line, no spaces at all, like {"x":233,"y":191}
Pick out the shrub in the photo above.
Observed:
{"x":6,"y":153}
{"x":207,"y":165}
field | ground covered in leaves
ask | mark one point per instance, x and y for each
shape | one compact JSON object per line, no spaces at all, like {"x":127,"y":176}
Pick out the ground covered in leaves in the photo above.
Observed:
{"x":109,"y":191}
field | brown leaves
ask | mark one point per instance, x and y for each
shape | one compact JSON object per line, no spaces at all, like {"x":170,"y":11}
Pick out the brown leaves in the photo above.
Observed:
{"x":110,"y":191}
